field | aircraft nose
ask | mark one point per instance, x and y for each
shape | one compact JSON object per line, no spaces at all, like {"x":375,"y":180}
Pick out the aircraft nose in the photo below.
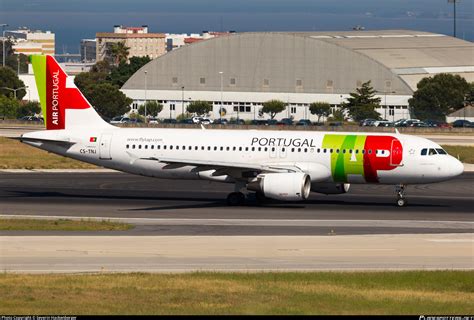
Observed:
{"x":456,"y":167}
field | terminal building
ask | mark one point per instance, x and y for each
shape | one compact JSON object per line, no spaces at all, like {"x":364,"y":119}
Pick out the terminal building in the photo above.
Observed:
{"x":239,"y":71}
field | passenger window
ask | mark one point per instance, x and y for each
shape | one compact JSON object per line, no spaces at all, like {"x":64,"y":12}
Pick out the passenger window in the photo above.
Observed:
{"x":330,"y":150}
{"x":318,"y":150}
{"x":209,"y":148}
{"x":299,"y":149}
{"x":146,"y":146}
{"x":246,"y":148}
{"x":370,"y":151}
{"x":259,"y":149}
{"x":158,"y":147}
{"x":356,"y":151}
{"x":233,"y":148}
{"x":127,"y":146}
{"x":202,"y":148}
{"x":240,"y":148}
{"x":164,"y":147}
{"x":152,"y":147}
{"x":343,"y":150}
{"x":305,"y":150}
{"x":177,"y":147}
{"x":139,"y":146}
{"x":215,"y":148}
{"x":266,"y":149}
{"x":171,"y":147}
{"x":273,"y":148}
{"x":324,"y":150}
{"x":253,"y":148}
{"x":292,"y":149}
{"x":227,"y":148}
{"x":283,"y":149}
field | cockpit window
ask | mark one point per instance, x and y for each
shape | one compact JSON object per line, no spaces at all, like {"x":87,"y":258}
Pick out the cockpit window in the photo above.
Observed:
{"x":424,"y":152}
{"x":432,"y":152}
{"x":441,"y":151}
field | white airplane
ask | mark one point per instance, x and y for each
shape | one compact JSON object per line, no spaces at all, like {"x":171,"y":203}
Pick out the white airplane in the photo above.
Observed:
{"x":282,"y":165}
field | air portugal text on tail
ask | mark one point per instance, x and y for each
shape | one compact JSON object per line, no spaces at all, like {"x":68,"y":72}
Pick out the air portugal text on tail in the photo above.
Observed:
{"x":56,"y":91}
{"x":283,"y":165}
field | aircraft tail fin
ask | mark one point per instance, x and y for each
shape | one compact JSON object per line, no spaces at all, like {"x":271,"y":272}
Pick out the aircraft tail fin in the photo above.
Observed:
{"x":63,"y":105}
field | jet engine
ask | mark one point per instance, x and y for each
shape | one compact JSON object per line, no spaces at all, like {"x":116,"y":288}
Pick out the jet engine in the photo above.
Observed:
{"x":330,"y":188}
{"x":294,"y":186}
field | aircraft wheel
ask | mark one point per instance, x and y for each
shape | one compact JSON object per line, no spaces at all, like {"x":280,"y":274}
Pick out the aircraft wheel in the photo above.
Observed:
{"x":401,"y":202}
{"x":235,"y":199}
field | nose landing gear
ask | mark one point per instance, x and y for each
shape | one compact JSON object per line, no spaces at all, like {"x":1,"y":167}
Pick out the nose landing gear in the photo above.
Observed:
{"x":400,"y":189}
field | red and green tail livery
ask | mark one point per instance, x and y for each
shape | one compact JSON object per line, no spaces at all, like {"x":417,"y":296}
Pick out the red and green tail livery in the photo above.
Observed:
{"x":57,"y":93}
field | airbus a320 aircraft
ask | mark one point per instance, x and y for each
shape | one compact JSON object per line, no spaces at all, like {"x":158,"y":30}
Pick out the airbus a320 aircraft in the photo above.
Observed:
{"x":282,"y":165}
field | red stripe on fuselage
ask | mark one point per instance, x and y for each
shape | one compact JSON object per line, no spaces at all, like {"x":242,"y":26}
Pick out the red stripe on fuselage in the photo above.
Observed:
{"x":372,"y":163}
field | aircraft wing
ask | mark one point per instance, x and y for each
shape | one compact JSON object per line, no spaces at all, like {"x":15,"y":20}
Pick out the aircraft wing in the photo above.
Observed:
{"x":203,"y":165}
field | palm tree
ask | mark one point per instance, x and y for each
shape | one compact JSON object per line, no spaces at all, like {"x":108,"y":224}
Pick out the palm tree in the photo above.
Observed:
{"x":119,"y":52}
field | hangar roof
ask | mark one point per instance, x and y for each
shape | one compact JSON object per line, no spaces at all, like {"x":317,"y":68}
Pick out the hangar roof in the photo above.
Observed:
{"x":309,"y":62}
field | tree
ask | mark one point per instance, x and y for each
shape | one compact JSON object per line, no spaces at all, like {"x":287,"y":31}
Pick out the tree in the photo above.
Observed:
{"x":9,"y":79}
{"x":199,"y":107}
{"x":108,"y":101}
{"x":273,"y":107}
{"x":29,"y":108}
{"x":86,"y":79}
{"x":152,"y":108}
{"x":120,"y":74}
{"x":321,"y":109}
{"x":337,"y":115}
{"x":8,"y":107}
{"x":118,"y":52}
{"x":362,"y":103}
{"x":470,"y":95}
{"x":102,"y":66}
{"x":438,"y":96}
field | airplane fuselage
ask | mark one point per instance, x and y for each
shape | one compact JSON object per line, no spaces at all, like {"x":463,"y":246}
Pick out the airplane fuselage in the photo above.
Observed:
{"x":348,"y":157}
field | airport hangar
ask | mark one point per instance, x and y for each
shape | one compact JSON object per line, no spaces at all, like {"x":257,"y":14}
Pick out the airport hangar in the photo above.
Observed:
{"x":241,"y":71}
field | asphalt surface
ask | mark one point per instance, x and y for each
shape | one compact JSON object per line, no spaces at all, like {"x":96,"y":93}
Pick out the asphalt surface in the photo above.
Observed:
{"x":172,"y":207}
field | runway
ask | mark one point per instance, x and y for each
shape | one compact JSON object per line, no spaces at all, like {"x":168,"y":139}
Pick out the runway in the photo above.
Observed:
{"x":172,"y":207}
{"x":187,"y":226}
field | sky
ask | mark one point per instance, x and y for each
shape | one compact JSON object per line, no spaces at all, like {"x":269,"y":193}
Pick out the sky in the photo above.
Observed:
{"x":73,"y":20}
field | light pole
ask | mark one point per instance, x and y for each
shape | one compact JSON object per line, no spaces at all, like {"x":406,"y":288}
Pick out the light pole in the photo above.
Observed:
{"x":3,"y":25}
{"x":146,"y":72}
{"x":182,"y":100}
{"x":454,"y":16}
{"x":222,"y":86}
{"x":14,"y":90}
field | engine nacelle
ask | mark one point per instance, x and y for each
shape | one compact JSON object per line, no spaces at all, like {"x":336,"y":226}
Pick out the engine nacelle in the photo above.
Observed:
{"x":294,"y":186}
{"x":330,"y":188}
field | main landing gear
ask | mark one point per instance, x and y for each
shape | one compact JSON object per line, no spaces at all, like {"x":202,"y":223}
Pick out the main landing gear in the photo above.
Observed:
{"x":400,"y":189}
{"x":237,"y":198}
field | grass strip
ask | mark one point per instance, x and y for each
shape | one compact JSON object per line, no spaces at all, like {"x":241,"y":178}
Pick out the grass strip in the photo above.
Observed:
{"x":61,"y":225}
{"x":463,"y":153}
{"x":413,"y":292}
{"x":16,"y":155}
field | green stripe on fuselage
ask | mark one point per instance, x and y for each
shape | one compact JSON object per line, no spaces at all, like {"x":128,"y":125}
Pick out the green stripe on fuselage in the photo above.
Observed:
{"x":344,"y":163}
{"x":39,"y":69}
